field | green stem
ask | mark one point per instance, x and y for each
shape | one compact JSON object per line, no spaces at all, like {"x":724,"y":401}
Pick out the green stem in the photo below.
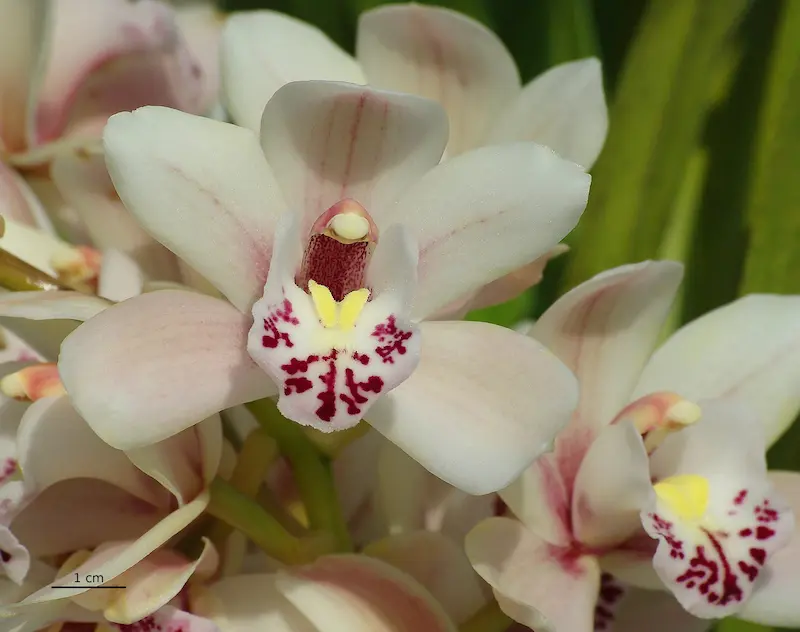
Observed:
{"x":242,"y":513}
{"x":311,"y":469}
{"x":488,"y":619}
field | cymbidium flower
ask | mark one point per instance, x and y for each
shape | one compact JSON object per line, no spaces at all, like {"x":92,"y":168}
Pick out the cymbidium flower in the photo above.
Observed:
{"x":102,"y":512}
{"x":374,"y":236}
{"x":673,"y":443}
{"x":66,"y":66}
{"x":434,"y":53}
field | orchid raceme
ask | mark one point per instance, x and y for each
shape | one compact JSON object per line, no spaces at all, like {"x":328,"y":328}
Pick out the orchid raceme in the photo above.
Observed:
{"x":669,"y":447}
{"x":435,"y":53}
{"x":372,"y":237}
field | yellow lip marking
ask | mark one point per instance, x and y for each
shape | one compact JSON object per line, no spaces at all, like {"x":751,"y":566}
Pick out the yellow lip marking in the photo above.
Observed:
{"x":686,"y":495}
{"x":342,"y":315}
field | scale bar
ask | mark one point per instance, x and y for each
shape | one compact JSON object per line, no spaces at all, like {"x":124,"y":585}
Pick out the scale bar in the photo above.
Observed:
{"x":89,"y":587}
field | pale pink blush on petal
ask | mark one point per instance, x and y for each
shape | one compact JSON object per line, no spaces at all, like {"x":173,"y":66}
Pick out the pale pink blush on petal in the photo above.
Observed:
{"x":365,"y":595}
{"x":90,"y":39}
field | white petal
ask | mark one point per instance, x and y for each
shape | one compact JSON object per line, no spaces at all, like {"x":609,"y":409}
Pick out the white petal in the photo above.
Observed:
{"x":349,"y":593}
{"x":605,"y":330}
{"x":329,"y":376}
{"x":51,"y":305}
{"x":774,"y":601}
{"x":544,"y":587}
{"x":439,"y":564}
{"x":186,"y":462}
{"x":611,"y":488}
{"x":203,"y":189}
{"x":329,"y":141}
{"x":120,"y":277}
{"x":151,"y":584}
{"x":711,"y":562}
{"x":263,"y":50}
{"x":82,"y":178}
{"x":33,"y":245}
{"x":113,"y":559}
{"x":22,"y":46}
{"x":109,"y":56}
{"x":483,"y":403}
{"x":55,"y":445}
{"x":511,"y":203}
{"x":564,"y":108}
{"x":747,"y":352}
{"x":244,"y":603}
{"x":147,"y":368}
{"x":442,"y":55}
{"x":90,"y":512}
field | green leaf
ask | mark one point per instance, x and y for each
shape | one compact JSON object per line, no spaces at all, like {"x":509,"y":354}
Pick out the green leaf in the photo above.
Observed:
{"x":506,"y":314}
{"x":656,"y":120}
{"x":735,"y":625}
{"x":773,"y":213}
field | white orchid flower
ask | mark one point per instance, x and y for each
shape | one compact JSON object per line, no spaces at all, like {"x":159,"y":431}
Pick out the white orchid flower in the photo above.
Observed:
{"x":673,"y":443}
{"x":435,"y":53}
{"x":348,"y":169}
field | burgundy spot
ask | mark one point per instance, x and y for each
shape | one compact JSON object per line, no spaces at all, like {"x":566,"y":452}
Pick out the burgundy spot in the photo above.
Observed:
{"x":5,"y":556}
{"x":297,"y":365}
{"x":300,"y":385}
{"x":664,"y":529}
{"x":374,"y":384}
{"x":327,"y":409}
{"x":273,"y":336}
{"x":746,"y":533}
{"x":749,"y":570}
{"x":361,"y":357}
{"x":759,"y":555}
{"x":338,"y":266}
{"x":393,"y":336}
{"x":764,"y":533}
{"x":740,"y":497}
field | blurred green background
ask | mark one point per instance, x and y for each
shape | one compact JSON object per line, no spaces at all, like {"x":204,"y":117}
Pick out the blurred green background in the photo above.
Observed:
{"x":701,"y":162}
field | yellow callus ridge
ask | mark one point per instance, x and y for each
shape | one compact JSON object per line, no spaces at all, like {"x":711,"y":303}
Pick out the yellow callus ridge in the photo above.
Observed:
{"x":686,"y":495}
{"x":339,"y":315}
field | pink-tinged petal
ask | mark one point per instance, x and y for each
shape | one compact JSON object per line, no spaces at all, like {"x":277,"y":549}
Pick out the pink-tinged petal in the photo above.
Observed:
{"x":89,"y":512}
{"x":541,"y":500}
{"x":113,"y":55}
{"x":149,"y":367}
{"x":170,"y":618}
{"x":330,"y":373}
{"x":564,"y":108}
{"x":611,"y":487}
{"x":201,"y":25}
{"x":51,"y":305}
{"x":362,"y":595}
{"x":82,"y":178}
{"x":113,"y":559}
{"x":243,"y":603}
{"x":774,"y":600}
{"x":442,"y":55}
{"x":18,"y":202}
{"x":264,"y":50}
{"x":55,"y":445}
{"x":186,"y":462}
{"x":604,"y":330}
{"x":717,"y":518}
{"x":330,"y":141}
{"x":438,"y":564}
{"x":203,"y":189}
{"x":654,"y":611}
{"x":747,"y":352}
{"x":22,"y":34}
{"x":482,"y":405}
{"x":149,"y":585}
{"x":542,"y":586}
{"x":521,"y":201}
{"x":514,"y":283}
